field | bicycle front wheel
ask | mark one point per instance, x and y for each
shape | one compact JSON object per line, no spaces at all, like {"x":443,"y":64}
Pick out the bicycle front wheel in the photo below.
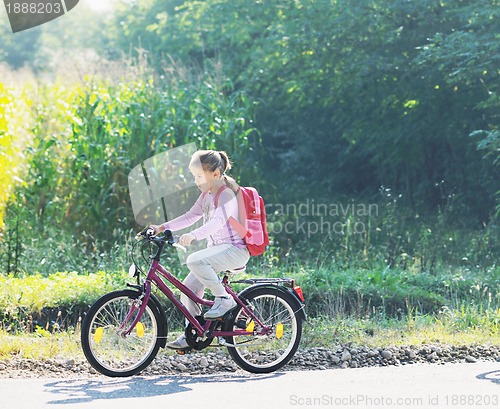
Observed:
{"x":266,"y":353}
{"x":104,"y":343}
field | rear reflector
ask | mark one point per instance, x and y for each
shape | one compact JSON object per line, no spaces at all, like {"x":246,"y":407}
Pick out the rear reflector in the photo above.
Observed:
{"x":299,"y":292}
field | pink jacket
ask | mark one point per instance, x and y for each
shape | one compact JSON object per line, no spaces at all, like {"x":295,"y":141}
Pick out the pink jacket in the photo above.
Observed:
{"x":216,"y":228}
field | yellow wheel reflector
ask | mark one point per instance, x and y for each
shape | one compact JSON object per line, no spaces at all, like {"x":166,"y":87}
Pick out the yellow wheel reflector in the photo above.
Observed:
{"x":279,"y":330}
{"x":98,"y":334}
{"x":250,"y":326}
{"x":139,"y":328}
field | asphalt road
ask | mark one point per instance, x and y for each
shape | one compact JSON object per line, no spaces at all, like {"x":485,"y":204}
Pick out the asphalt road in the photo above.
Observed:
{"x":412,"y":386}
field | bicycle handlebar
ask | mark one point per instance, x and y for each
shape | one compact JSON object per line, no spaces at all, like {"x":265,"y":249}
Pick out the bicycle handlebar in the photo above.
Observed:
{"x":149,"y":234}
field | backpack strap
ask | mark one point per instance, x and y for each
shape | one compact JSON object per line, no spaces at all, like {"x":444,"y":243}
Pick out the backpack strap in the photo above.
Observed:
{"x":219,"y":191}
{"x":256,"y":201}
{"x":231,"y":219}
{"x":216,"y":201}
{"x":217,"y":194}
{"x":235,"y":224}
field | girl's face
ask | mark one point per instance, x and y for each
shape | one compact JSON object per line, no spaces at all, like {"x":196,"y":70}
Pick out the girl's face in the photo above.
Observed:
{"x":205,"y":180}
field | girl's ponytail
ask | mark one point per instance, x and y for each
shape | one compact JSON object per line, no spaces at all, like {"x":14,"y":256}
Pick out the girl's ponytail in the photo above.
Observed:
{"x":225,"y":163}
{"x":225,"y":166}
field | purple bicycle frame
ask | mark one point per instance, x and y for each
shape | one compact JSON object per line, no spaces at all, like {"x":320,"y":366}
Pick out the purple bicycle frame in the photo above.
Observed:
{"x":152,"y":276}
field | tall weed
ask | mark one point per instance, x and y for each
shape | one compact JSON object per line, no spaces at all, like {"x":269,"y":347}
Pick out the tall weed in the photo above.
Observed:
{"x":86,"y":137}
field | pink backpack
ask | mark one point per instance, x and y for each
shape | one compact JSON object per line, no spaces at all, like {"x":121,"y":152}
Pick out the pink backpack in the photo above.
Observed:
{"x":252,"y":226}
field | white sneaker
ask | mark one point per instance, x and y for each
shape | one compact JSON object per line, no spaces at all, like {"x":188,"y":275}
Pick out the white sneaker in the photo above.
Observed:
{"x":179,"y":343}
{"x":222,"y":306}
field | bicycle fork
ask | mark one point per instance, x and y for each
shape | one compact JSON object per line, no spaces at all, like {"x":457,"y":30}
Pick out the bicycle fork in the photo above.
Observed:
{"x":139,"y":303}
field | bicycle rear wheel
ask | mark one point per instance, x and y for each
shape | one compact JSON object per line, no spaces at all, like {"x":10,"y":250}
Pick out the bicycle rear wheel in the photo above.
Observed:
{"x":266,"y":353}
{"x":104,"y":345}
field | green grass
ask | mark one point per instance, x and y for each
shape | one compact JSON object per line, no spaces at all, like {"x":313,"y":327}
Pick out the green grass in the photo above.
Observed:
{"x":394,"y":292}
{"x":41,"y":345}
{"x":330,"y":292}
{"x":467,"y":326}
{"x":375,"y":306}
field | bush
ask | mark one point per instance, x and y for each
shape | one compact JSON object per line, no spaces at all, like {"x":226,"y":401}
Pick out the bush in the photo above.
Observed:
{"x":51,"y":302}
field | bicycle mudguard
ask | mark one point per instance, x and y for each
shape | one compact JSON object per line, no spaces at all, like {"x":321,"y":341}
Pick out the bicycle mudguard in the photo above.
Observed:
{"x":299,"y":307}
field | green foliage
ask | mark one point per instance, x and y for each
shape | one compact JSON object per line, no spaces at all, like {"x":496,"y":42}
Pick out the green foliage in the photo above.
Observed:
{"x":469,"y":326}
{"x":22,"y":298}
{"x":20,"y":49}
{"x":370,"y":93}
{"x":14,"y":119}
{"x":5,"y":153}
{"x":384,"y":233}
{"x":321,"y":99}
{"x":43,"y":48}
{"x":389,"y":292}
{"x":35,"y":292}
{"x":467,"y":297}
{"x":86,"y":137}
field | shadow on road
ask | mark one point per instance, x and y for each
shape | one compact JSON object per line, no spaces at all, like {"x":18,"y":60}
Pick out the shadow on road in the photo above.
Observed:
{"x":493,"y":376}
{"x":81,"y":391}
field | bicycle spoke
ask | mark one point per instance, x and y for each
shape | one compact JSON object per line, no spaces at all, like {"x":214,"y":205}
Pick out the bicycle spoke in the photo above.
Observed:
{"x":267,"y":352}
{"x":111,"y":349}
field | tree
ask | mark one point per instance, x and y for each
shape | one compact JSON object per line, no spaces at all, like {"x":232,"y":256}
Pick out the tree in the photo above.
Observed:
{"x":352,"y":95}
{"x":19,"y":49}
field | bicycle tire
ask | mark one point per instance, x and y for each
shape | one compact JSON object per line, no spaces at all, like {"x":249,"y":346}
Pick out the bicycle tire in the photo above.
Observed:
{"x":106,"y":350}
{"x":270,"y":353}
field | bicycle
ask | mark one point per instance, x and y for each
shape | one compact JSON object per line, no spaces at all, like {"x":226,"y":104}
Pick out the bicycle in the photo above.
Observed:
{"x":123,"y":331}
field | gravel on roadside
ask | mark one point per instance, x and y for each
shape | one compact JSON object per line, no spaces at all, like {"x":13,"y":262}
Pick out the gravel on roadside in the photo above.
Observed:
{"x":211,"y":362}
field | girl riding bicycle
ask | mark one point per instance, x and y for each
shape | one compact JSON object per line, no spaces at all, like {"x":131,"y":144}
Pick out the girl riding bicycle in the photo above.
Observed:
{"x":225,"y":250}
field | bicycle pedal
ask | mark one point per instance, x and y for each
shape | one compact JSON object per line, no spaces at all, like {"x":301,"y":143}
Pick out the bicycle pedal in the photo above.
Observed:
{"x":183,"y":351}
{"x":241,"y":324}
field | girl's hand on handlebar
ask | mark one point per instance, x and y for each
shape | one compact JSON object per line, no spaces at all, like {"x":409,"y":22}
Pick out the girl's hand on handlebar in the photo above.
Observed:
{"x":157,"y":229}
{"x":186,"y":239}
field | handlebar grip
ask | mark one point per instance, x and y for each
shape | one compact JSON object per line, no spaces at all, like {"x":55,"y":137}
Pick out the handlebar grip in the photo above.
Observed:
{"x":168,"y":234}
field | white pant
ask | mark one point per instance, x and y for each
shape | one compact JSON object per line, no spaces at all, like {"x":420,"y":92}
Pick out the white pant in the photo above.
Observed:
{"x":204,"y":266}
